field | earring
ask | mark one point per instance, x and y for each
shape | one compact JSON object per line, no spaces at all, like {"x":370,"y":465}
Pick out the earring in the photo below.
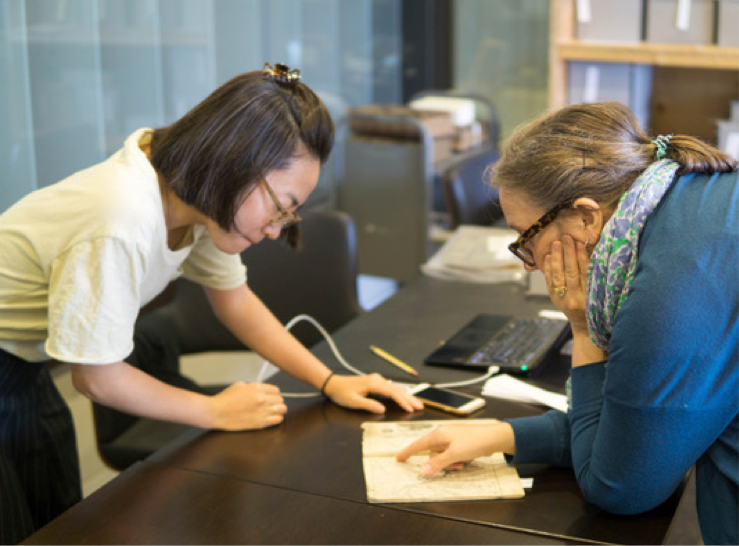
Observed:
{"x":587,"y":244}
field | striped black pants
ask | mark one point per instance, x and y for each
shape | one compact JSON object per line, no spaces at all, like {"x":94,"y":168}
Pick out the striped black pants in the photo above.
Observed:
{"x":39,"y":464}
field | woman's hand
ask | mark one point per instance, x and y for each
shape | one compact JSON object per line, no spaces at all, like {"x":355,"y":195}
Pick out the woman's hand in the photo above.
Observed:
{"x":453,"y":446}
{"x":566,"y":272}
{"x":351,"y":391}
{"x":250,"y":406}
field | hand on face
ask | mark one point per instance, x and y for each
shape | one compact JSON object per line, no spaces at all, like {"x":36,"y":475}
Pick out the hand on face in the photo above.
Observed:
{"x":566,"y":272}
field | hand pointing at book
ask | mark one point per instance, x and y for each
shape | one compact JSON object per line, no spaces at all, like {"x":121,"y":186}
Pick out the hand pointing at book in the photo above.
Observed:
{"x":452,"y":446}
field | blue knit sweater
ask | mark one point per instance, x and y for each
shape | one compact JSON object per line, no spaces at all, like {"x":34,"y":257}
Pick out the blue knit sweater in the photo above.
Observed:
{"x":668,"y":396}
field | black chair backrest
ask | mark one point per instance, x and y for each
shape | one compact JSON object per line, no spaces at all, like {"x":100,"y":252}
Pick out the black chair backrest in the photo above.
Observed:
{"x":469,"y":198}
{"x":319,"y":280}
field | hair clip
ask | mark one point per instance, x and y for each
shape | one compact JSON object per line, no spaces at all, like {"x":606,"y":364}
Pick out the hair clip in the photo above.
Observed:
{"x":281,"y":73}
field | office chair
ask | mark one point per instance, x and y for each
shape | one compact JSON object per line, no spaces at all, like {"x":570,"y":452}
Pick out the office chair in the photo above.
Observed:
{"x":469,"y":199}
{"x":319,"y":280}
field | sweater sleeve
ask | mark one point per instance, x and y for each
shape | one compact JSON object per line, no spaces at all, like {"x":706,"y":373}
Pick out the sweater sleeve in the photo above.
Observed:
{"x":669,"y":388}
{"x":542,"y":439}
{"x":667,"y":396}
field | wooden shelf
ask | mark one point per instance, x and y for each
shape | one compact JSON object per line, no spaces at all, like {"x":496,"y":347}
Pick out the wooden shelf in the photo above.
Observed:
{"x":693,"y":85}
{"x":679,"y":55}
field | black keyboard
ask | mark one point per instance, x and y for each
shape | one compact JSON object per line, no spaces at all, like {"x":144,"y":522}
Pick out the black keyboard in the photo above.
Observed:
{"x":518,"y":342}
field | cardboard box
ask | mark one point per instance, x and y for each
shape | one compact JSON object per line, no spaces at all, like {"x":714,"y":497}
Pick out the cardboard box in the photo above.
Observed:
{"x":728,"y":137}
{"x":680,"y":21}
{"x":728,"y":23}
{"x":367,"y":120}
{"x":377,"y":121}
{"x":610,"y":20}
{"x":630,"y":84}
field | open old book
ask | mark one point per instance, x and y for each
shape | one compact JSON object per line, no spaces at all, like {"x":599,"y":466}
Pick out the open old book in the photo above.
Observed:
{"x":391,"y":481}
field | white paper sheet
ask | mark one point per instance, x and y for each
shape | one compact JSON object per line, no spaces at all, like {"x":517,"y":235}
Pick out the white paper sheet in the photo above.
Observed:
{"x":505,"y":386}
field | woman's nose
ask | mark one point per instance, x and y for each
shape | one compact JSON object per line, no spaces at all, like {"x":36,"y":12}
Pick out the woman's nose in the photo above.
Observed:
{"x":272,"y":232}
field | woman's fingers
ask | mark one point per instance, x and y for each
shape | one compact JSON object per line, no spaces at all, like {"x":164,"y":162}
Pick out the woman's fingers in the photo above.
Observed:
{"x":566,"y":267}
{"x":571,"y":264}
{"x":554,"y":271}
{"x":583,"y":259}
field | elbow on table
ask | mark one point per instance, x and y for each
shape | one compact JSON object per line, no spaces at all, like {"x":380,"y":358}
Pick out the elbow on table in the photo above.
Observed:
{"x":622,"y":501}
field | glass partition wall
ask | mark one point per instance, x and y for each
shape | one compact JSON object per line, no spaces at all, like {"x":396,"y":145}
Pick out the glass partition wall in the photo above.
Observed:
{"x":78,"y":76}
{"x":501,"y":50}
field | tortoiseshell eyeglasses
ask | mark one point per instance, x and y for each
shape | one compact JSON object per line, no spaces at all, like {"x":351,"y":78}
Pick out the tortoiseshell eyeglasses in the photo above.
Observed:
{"x":517,"y":246}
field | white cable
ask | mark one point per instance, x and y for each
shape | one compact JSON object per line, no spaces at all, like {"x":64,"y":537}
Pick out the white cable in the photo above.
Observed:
{"x":492,"y":370}
{"x":331,"y":343}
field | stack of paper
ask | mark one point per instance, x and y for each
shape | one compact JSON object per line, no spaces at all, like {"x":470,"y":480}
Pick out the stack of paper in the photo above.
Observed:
{"x":477,"y":254}
{"x":505,"y":386}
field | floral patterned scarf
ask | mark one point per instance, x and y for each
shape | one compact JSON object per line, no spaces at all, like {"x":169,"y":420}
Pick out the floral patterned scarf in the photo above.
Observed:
{"x":614,"y":258}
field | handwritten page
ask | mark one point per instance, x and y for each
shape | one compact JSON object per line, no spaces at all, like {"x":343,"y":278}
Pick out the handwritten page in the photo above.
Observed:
{"x":391,"y":481}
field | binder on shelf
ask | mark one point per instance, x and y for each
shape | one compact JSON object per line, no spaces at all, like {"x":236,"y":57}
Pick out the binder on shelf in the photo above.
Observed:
{"x":609,"y":21}
{"x":680,"y":21}
{"x":728,"y":23}
{"x":630,"y":84}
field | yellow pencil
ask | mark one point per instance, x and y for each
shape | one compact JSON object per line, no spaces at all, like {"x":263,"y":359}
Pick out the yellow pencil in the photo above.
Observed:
{"x":392,"y":360}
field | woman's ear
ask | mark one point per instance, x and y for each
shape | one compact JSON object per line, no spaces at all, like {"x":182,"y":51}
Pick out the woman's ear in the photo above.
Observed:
{"x":591,"y":216}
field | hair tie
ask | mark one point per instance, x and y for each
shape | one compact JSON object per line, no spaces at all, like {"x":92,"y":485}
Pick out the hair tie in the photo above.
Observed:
{"x":281,"y":73}
{"x":661,"y":143}
{"x":325,"y":383}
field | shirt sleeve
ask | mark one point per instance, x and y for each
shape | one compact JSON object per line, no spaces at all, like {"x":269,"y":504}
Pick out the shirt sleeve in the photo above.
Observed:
{"x":213,"y":268}
{"x":93,"y":302}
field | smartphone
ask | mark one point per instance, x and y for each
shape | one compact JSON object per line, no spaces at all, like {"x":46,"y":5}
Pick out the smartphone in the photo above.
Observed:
{"x":446,"y":400}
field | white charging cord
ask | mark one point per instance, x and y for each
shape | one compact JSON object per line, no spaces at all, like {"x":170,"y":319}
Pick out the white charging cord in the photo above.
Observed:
{"x":266,"y":364}
{"x":492,"y":370}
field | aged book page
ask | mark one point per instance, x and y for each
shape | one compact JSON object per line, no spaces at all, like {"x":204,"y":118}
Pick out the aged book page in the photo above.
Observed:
{"x":391,"y":481}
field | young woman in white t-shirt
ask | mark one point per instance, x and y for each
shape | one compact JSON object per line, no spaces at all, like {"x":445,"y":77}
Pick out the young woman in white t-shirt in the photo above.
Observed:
{"x":78,"y":260}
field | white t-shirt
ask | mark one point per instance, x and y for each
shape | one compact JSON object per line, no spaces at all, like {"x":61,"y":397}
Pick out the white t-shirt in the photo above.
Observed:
{"x":78,"y":259}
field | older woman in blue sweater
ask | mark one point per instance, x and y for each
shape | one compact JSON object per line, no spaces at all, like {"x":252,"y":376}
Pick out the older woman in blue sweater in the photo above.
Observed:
{"x":638,"y":239}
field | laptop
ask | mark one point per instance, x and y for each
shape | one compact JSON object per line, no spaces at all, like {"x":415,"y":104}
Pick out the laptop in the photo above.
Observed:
{"x":515,"y":344}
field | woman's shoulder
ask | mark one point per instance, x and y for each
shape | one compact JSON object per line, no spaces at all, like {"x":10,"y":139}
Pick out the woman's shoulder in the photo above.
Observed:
{"x":700,"y":202}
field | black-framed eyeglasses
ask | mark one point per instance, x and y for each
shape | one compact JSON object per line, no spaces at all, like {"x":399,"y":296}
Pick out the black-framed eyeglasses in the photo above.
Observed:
{"x":517,"y":246}
{"x":284,"y":218}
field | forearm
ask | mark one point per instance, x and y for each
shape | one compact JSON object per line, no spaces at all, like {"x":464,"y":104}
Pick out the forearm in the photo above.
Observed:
{"x":253,"y":324}
{"x":584,"y":351}
{"x":128,"y":389}
{"x":280,"y":347}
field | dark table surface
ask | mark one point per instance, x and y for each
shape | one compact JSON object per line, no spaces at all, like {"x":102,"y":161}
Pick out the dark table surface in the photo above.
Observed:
{"x":154,"y":504}
{"x":318,"y":448}
{"x":266,"y":486}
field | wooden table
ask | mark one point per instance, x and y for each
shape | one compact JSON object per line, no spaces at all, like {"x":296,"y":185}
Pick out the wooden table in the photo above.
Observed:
{"x":302,"y":482}
{"x":154,"y":504}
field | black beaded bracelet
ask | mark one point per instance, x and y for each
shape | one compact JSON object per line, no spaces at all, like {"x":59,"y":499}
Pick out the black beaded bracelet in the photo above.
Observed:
{"x":323,"y":388}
